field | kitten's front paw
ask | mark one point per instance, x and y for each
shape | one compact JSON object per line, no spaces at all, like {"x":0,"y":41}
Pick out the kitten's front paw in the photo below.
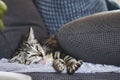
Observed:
{"x":12,"y":60}
{"x":59,"y":65}
{"x":73,"y":65}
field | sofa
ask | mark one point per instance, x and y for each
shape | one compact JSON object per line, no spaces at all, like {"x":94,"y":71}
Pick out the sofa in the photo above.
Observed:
{"x":94,"y":39}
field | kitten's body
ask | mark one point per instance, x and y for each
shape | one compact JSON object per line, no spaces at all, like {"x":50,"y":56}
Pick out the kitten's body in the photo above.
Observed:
{"x":31,"y":51}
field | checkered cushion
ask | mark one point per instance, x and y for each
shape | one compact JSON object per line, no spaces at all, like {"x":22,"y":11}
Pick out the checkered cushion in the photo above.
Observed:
{"x":58,"y":12}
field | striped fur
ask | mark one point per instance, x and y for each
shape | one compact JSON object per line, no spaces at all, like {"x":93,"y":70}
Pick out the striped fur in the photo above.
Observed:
{"x":31,"y":51}
{"x":60,"y":59}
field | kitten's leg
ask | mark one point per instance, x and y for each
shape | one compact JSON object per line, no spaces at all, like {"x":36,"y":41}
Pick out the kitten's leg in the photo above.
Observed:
{"x":72,"y":64}
{"x":13,"y":59}
{"x":20,"y":58}
{"x":58,"y":63}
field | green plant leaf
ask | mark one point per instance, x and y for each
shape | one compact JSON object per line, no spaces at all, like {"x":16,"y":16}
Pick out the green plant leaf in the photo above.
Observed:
{"x":3,"y":8}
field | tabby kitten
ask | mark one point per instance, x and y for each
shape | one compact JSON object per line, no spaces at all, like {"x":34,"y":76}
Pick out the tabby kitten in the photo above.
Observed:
{"x":31,"y":52}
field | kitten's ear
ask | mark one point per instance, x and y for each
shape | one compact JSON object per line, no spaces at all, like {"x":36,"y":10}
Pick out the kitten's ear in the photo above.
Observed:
{"x":31,"y":34}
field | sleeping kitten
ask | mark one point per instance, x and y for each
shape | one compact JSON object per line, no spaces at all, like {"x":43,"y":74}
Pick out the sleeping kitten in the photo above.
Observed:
{"x":31,"y":52}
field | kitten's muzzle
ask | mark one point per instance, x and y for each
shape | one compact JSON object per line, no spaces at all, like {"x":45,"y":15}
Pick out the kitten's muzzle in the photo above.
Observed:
{"x":39,"y":54}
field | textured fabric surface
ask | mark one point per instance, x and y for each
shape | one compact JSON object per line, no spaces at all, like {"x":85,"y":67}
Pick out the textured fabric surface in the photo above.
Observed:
{"x":77,"y":76}
{"x":95,"y":38}
{"x":58,"y":12}
{"x":84,"y":68}
{"x":21,"y":15}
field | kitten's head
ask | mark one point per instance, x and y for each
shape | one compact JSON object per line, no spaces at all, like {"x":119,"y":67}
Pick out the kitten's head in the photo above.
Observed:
{"x":34,"y":51}
{"x":30,"y":51}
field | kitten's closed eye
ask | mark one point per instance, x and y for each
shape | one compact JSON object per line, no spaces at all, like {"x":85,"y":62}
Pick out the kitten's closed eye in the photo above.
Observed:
{"x":32,"y":56}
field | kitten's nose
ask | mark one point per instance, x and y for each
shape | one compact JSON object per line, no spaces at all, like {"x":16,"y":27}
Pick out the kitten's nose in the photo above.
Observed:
{"x":39,"y":54}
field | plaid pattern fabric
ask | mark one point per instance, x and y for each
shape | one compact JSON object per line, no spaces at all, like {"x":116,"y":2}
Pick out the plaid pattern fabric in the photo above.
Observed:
{"x":58,"y":12}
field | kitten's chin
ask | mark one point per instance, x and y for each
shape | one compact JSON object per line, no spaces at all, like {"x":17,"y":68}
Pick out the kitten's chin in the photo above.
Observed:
{"x":37,"y":60}
{"x":42,"y":62}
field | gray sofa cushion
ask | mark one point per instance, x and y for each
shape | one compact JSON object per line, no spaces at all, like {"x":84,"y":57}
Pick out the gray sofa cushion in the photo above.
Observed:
{"x":76,"y":76}
{"x":21,"y":15}
{"x":95,"y":38}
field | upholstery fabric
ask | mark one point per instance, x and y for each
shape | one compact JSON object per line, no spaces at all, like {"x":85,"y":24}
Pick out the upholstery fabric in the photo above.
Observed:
{"x":77,"y":76}
{"x":95,"y":38}
{"x":21,"y":15}
{"x":58,"y":12}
